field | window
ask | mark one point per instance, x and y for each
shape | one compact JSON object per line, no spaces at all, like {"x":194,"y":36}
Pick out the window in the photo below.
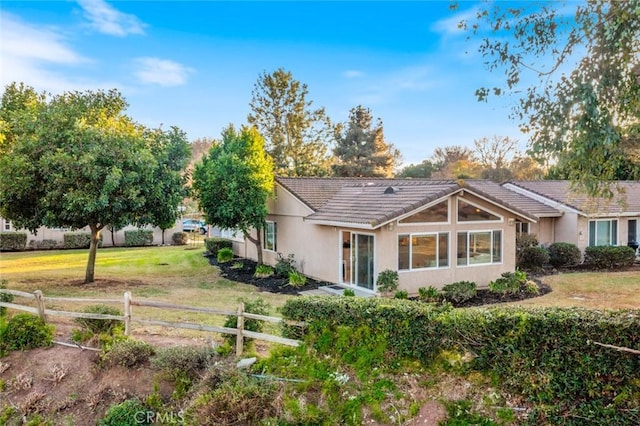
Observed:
{"x":269,"y":236}
{"x":479,"y":247}
{"x":632,"y":234}
{"x":438,"y":213}
{"x":603,"y":232}
{"x":522,"y":228}
{"x":6,"y":225}
{"x":421,"y":251}
{"x":470,"y":213}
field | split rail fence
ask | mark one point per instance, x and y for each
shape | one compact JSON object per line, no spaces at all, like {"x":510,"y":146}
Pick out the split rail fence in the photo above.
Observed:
{"x":41,"y":310}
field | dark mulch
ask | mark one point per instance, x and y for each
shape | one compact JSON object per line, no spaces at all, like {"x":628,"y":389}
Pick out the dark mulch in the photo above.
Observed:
{"x":274,"y":284}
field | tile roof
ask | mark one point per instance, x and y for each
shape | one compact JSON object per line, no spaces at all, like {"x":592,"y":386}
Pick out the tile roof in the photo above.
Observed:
{"x":626,"y":197}
{"x":363,"y":201}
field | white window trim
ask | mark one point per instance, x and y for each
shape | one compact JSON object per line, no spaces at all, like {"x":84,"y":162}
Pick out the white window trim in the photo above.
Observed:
{"x":428,"y":206}
{"x":375,"y":261}
{"x":275,"y":236}
{"x":419,"y":234}
{"x":7,"y":226}
{"x":500,"y":220}
{"x":596,"y":235}
{"x":479,"y":231}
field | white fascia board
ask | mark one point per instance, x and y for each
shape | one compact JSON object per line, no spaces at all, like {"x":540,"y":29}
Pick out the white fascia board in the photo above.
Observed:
{"x":542,"y":199}
{"x":503,"y":207}
{"x":341,"y":224}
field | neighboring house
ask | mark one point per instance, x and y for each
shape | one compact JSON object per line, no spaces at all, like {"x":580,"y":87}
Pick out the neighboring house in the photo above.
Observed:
{"x":584,"y":221}
{"x":347,"y":230}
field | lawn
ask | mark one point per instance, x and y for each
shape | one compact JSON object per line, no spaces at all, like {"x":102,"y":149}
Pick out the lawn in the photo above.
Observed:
{"x":176,"y":274}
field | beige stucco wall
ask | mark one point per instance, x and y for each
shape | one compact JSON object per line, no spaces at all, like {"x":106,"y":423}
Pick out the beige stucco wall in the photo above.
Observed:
{"x":317,"y":248}
{"x":544,"y":230}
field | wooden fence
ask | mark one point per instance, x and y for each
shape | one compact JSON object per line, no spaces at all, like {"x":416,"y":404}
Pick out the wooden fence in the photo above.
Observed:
{"x":127,"y":301}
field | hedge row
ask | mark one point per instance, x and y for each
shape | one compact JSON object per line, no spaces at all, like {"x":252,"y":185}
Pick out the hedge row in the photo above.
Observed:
{"x":214,"y":244}
{"x":547,"y":355}
{"x":138,"y":238}
{"x":77,"y":240}
{"x":13,"y":241}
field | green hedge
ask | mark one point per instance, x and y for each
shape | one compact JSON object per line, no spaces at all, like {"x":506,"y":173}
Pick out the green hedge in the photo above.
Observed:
{"x":608,"y":257}
{"x":214,"y":244}
{"x":138,"y":238}
{"x":546,"y":355}
{"x":75,"y":240}
{"x":564,"y":254}
{"x":13,"y":241}
{"x":180,"y":238}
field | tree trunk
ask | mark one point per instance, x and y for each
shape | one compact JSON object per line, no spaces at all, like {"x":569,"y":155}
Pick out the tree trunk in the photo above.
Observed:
{"x":163,"y":237}
{"x":93,"y":248}
{"x":257,"y":241}
{"x":113,"y":238}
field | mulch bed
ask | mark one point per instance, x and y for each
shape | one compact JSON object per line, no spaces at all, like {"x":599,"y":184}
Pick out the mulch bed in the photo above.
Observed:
{"x":241,"y":270}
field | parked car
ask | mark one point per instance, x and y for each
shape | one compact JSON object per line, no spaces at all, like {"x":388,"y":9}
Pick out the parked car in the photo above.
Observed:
{"x":194,"y":225}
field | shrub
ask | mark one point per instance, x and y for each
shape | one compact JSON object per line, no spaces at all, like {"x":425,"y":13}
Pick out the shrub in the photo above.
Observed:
{"x":263,"y":271}
{"x":25,"y":331}
{"x":531,"y":287}
{"x":98,"y":326}
{"x":138,"y":238}
{"x":214,"y":244}
{"x":608,"y":257}
{"x":182,"y":362}
{"x":296,"y":279}
{"x":13,"y":241}
{"x":401,"y":294}
{"x":508,"y":283}
{"x":126,"y":413}
{"x":348,"y":292}
{"x":255,"y":306}
{"x":128,"y":353}
{"x":533,"y":258}
{"x":460,"y":291}
{"x":4,"y":297}
{"x":180,"y":238}
{"x":523,"y":241}
{"x":387,"y":281}
{"x":428,"y":294}
{"x":285,"y":265}
{"x":76,"y":240}
{"x":564,"y":254}
{"x":45,"y":244}
{"x":225,"y":254}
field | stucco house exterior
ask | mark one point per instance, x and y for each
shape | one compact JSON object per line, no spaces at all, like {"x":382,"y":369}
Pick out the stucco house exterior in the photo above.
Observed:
{"x":584,"y":221}
{"x":347,"y":230}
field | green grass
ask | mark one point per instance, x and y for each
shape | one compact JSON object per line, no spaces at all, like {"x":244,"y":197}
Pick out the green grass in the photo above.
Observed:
{"x":174,"y":274}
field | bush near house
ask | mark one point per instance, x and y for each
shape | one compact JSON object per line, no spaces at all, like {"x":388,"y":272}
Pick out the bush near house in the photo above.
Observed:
{"x":533,"y":259}
{"x":13,"y":241}
{"x":547,"y":355}
{"x":180,"y":238}
{"x":460,"y":291}
{"x":564,"y":254}
{"x":214,"y":244}
{"x":608,"y":257}
{"x":138,"y":238}
{"x":45,"y":244}
{"x":78,"y":240}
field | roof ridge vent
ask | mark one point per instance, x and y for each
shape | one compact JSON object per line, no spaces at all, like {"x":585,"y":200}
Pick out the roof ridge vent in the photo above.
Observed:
{"x":391,"y":190}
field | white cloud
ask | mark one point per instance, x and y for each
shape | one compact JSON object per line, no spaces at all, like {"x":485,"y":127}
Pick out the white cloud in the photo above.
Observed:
{"x":161,"y":71}
{"x":352,"y":74}
{"x":108,"y":20}
{"x":451,"y":26}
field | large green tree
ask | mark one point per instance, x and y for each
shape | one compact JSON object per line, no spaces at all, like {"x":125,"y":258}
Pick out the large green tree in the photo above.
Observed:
{"x":75,"y":160}
{"x":297,"y":135}
{"x":575,"y":68}
{"x":234,"y":181}
{"x":455,"y":161}
{"x":361,"y":149}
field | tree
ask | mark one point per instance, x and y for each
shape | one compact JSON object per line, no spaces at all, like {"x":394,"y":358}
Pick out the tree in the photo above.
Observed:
{"x":76,"y":161}
{"x":580,"y":120}
{"x":361,"y":149}
{"x":172,"y":152}
{"x":455,"y":162}
{"x":495,"y":156}
{"x":234,"y":181}
{"x":297,"y":136}
{"x":422,"y":170}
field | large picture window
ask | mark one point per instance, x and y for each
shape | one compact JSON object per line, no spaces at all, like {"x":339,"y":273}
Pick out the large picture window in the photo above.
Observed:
{"x":479,"y":247}
{"x":438,"y":213}
{"x":469,"y":213}
{"x":603,"y":232}
{"x":269,"y":236}
{"x":422,"y":251}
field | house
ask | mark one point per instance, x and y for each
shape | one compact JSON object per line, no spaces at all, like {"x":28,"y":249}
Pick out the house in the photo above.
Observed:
{"x":347,"y":230}
{"x":584,"y":221}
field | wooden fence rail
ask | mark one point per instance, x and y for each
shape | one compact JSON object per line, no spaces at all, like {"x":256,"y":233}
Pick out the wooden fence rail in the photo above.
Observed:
{"x":127,"y":318}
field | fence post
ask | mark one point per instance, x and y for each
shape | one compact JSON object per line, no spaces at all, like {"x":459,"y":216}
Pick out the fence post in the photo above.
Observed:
{"x":240,"y":328}
{"x":40,"y":302}
{"x":127,"y":313}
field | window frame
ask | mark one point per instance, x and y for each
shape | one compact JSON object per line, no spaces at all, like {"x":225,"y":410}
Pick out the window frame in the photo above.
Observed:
{"x":265,"y":231}
{"x":448,"y":221}
{"x":459,"y":200}
{"x":613,"y":232}
{"x":437,"y":236}
{"x":492,"y":246}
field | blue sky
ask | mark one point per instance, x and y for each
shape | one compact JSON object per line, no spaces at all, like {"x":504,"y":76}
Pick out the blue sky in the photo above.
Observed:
{"x":194,"y":64}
